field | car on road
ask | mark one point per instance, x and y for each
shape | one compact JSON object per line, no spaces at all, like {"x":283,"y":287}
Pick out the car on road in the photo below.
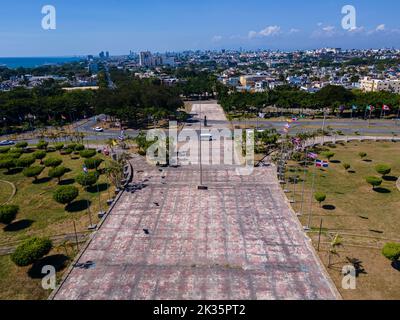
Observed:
{"x":98,"y":129}
{"x":7,"y":143}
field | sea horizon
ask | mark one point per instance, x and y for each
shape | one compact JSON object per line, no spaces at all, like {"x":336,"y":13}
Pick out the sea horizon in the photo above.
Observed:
{"x":33,"y":62}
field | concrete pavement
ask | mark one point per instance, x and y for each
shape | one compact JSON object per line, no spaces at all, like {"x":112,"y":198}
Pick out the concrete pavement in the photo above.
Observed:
{"x":169,"y":240}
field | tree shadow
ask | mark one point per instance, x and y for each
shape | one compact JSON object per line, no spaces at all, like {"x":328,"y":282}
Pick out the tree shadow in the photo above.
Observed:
{"x":18,"y":225}
{"x":78,"y":206}
{"x":390,"y":178}
{"x":351,"y":171}
{"x":58,"y":261}
{"x":42,"y":180}
{"x":13,"y":171}
{"x":66,"y":182}
{"x":329,"y":207}
{"x":382,"y":190}
{"x":396,"y":265}
{"x":367,"y":160}
{"x":336,"y":161}
{"x":357,"y":265}
{"x":93,"y":189}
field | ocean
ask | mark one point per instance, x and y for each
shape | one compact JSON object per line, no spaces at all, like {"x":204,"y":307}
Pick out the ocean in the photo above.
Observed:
{"x":33,"y":62}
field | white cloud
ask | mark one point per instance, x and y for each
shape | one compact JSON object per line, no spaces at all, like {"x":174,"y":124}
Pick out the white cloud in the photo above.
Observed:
{"x":381,"y":27}
{"x":328,"y":28}
{"x":216,"y":38}
{"x":269,"y":31}
{"x":294,"y":30}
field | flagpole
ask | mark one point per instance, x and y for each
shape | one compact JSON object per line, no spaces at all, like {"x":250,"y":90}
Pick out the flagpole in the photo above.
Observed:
{"x":312,"y":194}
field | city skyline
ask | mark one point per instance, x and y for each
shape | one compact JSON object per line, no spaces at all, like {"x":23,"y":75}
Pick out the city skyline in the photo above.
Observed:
{"x":88,"y":28}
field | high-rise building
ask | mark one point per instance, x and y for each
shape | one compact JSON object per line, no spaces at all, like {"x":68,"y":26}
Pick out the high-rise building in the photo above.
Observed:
{"x":146,"y":59}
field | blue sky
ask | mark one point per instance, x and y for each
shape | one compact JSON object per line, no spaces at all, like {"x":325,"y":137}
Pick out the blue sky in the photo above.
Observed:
{"x":89,"y":26}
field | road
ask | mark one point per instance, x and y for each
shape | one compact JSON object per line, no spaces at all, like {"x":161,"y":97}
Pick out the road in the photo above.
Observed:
{"x":168,"y":240}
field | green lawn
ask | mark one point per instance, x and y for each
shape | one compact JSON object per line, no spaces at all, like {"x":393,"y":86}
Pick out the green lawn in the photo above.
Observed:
{"x":364,"y":218}
{"x":40,"y":215}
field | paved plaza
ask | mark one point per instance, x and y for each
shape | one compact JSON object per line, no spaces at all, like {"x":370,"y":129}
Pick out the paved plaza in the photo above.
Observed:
{"x":169,"y":240}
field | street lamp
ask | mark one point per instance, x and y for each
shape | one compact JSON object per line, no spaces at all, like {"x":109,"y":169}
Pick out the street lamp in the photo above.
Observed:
{"x":201,"y":186}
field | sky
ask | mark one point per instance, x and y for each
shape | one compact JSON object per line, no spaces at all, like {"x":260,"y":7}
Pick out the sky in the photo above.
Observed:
{"x":90,"y":26}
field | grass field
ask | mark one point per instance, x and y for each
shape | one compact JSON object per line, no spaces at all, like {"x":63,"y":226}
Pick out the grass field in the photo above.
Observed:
{"x":365,"y":219}
{"x":40,"y":215}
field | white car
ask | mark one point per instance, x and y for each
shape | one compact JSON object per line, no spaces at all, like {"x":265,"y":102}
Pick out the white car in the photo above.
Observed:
{"x":98,"y":129}
{"x":7,"y":143}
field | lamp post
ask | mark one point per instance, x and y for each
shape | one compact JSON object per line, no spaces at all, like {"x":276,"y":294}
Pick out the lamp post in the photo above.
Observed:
{"x":201,"y":186}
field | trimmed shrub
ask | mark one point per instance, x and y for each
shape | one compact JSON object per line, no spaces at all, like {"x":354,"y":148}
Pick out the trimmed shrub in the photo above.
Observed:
{"x":383,"y":169}
{"x":52,"y":162}
{"x":8,"y":213}
{"x":15,"y":153}
{"x":21,"y":144}
{"x":93,"y":163}
{"x":328,"y":154}
{"x":320,"y":197}
{"x":79,"y":147}
{"x":4,"y":149}
{"x":374,"y":181}
{"x":87,"y":179}
{"x":346,"y":166}
{"x":7,"y":164}
{"x":362,"y":155}
{"x":25,"y":162}
{"x":391,"y":251}
{"x":40,"y":155}
{"x":30,"y":251}
{"x":59,"y":146}
{"x":58,"y":172}
{"x":33,"y":172}
{"x":67,"y":151}
{"x":89,"y":153}
{"x":66,"y":194}
{"x":42,"y":145}
{"x":71,"y":146}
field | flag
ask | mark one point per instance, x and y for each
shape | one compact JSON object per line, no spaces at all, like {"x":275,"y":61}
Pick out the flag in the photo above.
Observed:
{"x":287,"y":126}
{"x":370,"y":108}
{"x":114,"y":143}
{"x":321,"y":164}
{"x":385,"y":108}
{"x":355,"y":108}
{"x":294,"y":119}
{"x":85,"y":169}
{"x":312,"y":155}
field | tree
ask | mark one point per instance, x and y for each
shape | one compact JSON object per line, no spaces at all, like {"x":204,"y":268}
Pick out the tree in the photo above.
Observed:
{"x":87,"y":179}
{"x":30,"y":251}
{"x":7,"y":164}
{"x":362,"y":155}
{"x":65,"y":194}
{"x":42,"y":145}
{"x":79,"y":147}
{"x":346,"y":166}
{"x":89,"y":153}
{"x":391,"y":251}
{"x":320,"y":197}
{"x":40,"y":155}
{"x":374,"y":182}
{"x":52,"y":162}
{"x":25,"y":162}
{"x":58,"y":172}
{"x":328,"y":154}
{"x":8,"y":213}
{"x":21,"y":145}
{"x":59,"y":146}
{"x":4,"y":150}
{"x":93,"y":163}
{"x":33,"y":172}
{"x":383,"y":169}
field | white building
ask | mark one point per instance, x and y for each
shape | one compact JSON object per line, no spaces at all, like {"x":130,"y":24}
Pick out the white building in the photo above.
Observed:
{"x":374,"y":85}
